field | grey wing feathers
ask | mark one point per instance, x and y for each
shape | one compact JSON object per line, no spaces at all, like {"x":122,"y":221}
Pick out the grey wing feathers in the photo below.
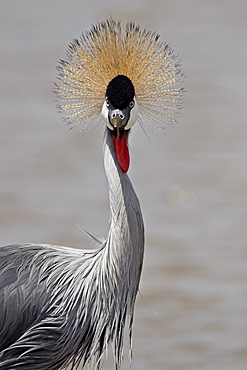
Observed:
{"x":21,"y":293}
{"x":29,"y":299}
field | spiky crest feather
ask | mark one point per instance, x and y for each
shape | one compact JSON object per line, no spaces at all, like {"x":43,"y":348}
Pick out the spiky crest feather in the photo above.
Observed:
{"x":110,"y":49}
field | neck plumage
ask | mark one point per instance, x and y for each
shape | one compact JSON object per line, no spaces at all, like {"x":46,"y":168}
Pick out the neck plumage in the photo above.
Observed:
{"x":126,"y":234}
{"x":125,"y":242}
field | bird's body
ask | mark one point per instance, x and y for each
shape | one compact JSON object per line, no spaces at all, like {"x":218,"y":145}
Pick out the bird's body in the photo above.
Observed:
{"x":59,"y":306}
{"x":55,"y":289}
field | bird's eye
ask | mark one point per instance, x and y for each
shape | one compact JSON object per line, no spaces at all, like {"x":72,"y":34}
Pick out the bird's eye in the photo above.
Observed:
{"x":131,"y":104}
{"x":107,"y":102}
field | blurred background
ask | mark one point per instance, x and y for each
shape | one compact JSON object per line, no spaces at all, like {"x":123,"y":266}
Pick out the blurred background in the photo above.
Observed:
{"x":191,"y":181}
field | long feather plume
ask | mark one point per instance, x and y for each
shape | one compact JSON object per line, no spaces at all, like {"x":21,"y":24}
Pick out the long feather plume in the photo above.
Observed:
{"x":107,"y":50}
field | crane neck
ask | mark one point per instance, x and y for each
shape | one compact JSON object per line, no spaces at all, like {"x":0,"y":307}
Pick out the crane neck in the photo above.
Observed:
{"x":126,"y":235}
{"x":122,"y":195}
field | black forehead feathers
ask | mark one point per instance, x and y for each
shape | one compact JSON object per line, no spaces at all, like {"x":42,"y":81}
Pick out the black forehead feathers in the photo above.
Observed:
{"x":120,"y":91}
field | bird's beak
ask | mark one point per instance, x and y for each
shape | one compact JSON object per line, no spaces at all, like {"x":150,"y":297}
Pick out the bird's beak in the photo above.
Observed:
{"x":119,"y":121}
{"x":119,"y":118}
{"x":124,"y":118}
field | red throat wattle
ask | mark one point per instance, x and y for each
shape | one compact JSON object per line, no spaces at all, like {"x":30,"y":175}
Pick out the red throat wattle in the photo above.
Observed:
{"x":122,"y":151}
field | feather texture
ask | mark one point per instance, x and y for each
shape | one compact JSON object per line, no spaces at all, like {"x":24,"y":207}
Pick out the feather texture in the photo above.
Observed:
{"x":61,"y":306}
{"x":110,"y":49}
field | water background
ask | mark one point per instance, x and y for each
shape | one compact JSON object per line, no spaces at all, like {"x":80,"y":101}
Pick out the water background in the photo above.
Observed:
{"x":191,"y":182}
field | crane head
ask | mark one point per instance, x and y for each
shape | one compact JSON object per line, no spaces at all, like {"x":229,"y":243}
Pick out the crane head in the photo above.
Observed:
{"x":120,"y":112}
{"x":117,"y":65}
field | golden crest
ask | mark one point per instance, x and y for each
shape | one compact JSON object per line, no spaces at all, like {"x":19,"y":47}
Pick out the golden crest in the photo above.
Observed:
{"x":110,"y":49}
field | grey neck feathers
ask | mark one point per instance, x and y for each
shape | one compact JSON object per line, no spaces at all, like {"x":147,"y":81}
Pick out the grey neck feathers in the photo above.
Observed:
{"x":126,"y":235}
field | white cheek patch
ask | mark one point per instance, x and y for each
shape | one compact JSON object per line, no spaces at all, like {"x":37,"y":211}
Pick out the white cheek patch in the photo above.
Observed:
{"x":133,"y":116}
{"x":104,"y":113}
